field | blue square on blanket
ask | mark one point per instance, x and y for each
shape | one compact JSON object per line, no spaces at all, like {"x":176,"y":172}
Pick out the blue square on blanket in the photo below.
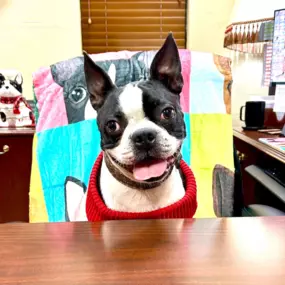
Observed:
{"x":66,"y":151}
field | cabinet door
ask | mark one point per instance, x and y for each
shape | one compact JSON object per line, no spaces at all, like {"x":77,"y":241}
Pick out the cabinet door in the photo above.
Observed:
{"x":15,"y":172}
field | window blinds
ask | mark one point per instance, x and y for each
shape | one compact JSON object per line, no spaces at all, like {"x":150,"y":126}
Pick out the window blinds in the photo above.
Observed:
{"x":113,"y":25}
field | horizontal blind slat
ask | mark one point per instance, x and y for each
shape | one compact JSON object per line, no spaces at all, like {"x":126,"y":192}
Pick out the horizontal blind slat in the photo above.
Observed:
{"x":134,"y":13}
{"x":101,"y":49}
{"x":90,"y":36}
{"x":128,"y":42}
{"x":95,"y":3}
{"x":134,"y":5}
{"x":141,"y":20}
{"x":86,"y":29}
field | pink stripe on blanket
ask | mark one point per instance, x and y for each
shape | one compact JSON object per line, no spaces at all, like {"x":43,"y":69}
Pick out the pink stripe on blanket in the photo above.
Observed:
{"x":185,"y":58}
{"x":47,"y":92}
{"x":50,"y":101}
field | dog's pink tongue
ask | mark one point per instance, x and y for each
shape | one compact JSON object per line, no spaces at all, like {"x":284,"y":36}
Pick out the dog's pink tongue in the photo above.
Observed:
{"x":144,"y":171}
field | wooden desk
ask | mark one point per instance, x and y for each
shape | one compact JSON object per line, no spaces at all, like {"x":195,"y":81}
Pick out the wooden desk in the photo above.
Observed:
{"x":255,"y":153}
{"x":15,"y":172}
{"x":251,"y":138}
{"x":211,"y":251}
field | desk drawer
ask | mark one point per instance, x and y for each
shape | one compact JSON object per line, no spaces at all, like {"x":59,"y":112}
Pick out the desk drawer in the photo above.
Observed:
{"x":15,"y":171}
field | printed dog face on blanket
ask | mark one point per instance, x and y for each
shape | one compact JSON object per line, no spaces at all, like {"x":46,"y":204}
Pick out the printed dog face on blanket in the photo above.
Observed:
{"x":70,"y":76}
{"x":141,"y":124}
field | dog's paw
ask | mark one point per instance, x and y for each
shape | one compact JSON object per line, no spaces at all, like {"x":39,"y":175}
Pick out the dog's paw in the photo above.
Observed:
{"x":75,"y":199}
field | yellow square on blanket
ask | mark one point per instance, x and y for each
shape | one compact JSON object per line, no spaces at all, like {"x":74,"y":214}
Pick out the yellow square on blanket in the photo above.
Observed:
{"x":211,"y":144}
{"x":37,"y":211}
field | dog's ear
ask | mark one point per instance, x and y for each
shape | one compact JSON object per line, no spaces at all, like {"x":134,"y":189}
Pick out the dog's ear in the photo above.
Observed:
{"x":98,"y":82}
{"x":19,"y":79}
{"x":2,"y":77}
{"x":166,"y":66}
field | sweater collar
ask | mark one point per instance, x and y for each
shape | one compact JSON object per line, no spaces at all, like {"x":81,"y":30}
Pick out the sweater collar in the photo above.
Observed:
{"x":96,"y":209}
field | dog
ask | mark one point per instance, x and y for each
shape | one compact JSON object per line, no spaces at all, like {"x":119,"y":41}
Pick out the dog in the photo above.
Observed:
{"x":142,"y":129}
{"x":14,"y":110}
{"x":139,"y":173}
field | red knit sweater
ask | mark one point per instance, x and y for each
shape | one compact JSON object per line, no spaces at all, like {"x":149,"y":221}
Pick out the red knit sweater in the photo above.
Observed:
{"x":96,"y":209}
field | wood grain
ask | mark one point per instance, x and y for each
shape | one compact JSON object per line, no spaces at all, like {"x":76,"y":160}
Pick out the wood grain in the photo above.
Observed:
{"x":251,"y":137}
{"x":17,"y":132}
{"x":256,"y":153}
{"x":211,"y":251}
{"x":15,"y":173}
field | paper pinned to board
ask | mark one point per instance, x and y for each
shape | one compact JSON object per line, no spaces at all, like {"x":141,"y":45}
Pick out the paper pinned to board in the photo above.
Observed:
{"x":279,"y":104}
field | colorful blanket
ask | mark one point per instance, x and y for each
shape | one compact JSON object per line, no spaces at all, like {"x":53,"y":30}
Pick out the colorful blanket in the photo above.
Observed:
{"x":67,"y":140}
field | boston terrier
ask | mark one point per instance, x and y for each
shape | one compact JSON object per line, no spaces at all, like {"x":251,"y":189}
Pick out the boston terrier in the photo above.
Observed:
{"x":142,"y":129}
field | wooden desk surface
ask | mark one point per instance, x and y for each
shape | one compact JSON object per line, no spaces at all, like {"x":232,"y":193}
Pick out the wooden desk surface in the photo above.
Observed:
{"x":206,"y":251}
{"x":251,"y":137}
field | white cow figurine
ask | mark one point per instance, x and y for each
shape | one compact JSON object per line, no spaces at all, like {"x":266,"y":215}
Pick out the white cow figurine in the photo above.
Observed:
{"x":14,"y":109}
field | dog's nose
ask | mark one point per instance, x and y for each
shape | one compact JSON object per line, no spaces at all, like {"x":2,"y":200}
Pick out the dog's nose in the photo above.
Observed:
{"x":144,"y":139}
{"x":7,"y":87}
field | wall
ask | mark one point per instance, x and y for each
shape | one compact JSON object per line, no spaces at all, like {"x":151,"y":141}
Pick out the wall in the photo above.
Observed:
{"x":207,"y":22}
{"x":37,"y":33}
{"x":206,"y":25}
{"x":247,"y":76}
{"x":247,"y":69}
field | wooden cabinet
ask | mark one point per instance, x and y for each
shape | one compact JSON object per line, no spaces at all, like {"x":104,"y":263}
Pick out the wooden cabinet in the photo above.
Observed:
{"x":15,"y":172}
{"x":252,"y":152}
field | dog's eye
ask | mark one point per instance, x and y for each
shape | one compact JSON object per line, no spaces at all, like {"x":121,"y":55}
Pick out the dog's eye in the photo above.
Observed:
{"x":78,"y":94}
{"x":168,"y":113}
{"x":112,"y":126}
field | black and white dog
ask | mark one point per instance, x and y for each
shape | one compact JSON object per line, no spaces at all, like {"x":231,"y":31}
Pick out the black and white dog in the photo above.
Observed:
{"x":142,"y":129}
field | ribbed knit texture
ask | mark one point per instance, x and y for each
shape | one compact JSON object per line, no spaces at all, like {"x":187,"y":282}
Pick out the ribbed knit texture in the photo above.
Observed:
{"x":97,"y":210}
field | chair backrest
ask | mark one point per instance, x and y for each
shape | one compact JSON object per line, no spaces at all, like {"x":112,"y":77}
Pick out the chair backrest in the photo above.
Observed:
{"x":67,"y":140}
